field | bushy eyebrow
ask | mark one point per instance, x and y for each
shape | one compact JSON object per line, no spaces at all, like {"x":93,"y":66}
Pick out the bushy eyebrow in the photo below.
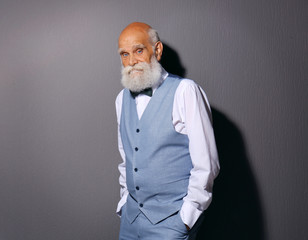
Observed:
{"x":120,"y":50}
{"x":137,"y":46}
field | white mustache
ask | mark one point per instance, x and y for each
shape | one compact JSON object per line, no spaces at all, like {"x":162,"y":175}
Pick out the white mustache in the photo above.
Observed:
{"x":135,"y":70}
{"x":138,"y":68}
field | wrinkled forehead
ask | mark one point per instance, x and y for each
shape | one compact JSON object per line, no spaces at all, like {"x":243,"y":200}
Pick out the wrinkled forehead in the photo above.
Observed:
{"x":133,"y":36}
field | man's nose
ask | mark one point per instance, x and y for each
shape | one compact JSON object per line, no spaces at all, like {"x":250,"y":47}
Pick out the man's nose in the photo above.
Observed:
{"x":132,"y":60}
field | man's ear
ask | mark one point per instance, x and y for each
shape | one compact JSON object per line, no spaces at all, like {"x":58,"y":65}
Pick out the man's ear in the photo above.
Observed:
{"x":158,"y":50}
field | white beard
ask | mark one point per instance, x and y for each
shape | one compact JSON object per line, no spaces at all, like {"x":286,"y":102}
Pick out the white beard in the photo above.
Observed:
{"x":142,"y":75}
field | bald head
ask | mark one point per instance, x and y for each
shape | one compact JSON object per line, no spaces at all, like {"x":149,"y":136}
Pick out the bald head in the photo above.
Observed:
{"x":138,"y":42}
{"x":138,"y":26}
{"x":134,"y":29}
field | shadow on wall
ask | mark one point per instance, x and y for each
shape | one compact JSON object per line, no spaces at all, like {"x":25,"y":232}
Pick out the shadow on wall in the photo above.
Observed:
{"x":171,"y":61}
{"x":235,"y":212}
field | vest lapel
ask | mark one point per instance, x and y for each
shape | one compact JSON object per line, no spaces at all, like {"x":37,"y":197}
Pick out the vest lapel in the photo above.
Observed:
{"x":156,"y":98}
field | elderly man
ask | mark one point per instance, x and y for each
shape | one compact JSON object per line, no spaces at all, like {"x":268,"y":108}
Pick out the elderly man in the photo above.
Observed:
{"x":166,"y":141}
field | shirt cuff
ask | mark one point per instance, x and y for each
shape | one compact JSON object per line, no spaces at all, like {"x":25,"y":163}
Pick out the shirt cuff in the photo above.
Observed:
{"x":189,"y":214}
{"x":121,"y":203}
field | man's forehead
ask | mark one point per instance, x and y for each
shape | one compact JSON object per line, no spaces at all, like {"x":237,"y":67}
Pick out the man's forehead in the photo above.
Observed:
{"x":133,"y":37}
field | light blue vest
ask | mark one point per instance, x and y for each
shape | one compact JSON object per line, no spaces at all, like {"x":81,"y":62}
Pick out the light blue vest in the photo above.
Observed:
{"x":158,"y":162}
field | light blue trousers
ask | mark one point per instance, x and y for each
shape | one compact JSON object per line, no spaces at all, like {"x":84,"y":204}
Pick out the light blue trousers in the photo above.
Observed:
{"x":172,"y":228}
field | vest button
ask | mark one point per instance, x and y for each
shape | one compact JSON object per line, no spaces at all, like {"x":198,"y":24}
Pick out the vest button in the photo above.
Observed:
{"x":140,"y":205}
{"x":136,"y":149}
{"x":137,"y":188}
{"x":136,"y":169}
{"x":137,"y":130}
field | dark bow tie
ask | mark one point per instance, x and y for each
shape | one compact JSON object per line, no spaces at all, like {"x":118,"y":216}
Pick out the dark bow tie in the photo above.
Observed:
{"x":147,"y":91}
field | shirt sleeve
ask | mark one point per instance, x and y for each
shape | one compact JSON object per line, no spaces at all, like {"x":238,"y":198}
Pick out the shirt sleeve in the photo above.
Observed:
{"x":122,"y":165}
{"x":192,"y":112}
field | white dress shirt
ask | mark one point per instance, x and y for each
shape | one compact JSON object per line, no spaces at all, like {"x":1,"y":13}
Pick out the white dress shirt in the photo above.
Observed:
{"x":192,"y":117}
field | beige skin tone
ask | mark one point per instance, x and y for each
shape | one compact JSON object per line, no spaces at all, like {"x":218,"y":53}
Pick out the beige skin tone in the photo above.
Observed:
{"x":135,"y":47}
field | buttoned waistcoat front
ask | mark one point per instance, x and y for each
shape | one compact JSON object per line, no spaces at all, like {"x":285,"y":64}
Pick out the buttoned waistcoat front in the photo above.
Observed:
{"x":158,"y":162}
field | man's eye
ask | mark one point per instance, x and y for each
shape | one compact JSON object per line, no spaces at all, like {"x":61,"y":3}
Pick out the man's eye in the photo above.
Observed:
{"x":124,"y":54}
{"x":139,"y":51}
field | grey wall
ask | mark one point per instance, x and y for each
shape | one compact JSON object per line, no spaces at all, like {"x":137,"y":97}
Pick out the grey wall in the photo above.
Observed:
{"x":59,"y":76}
